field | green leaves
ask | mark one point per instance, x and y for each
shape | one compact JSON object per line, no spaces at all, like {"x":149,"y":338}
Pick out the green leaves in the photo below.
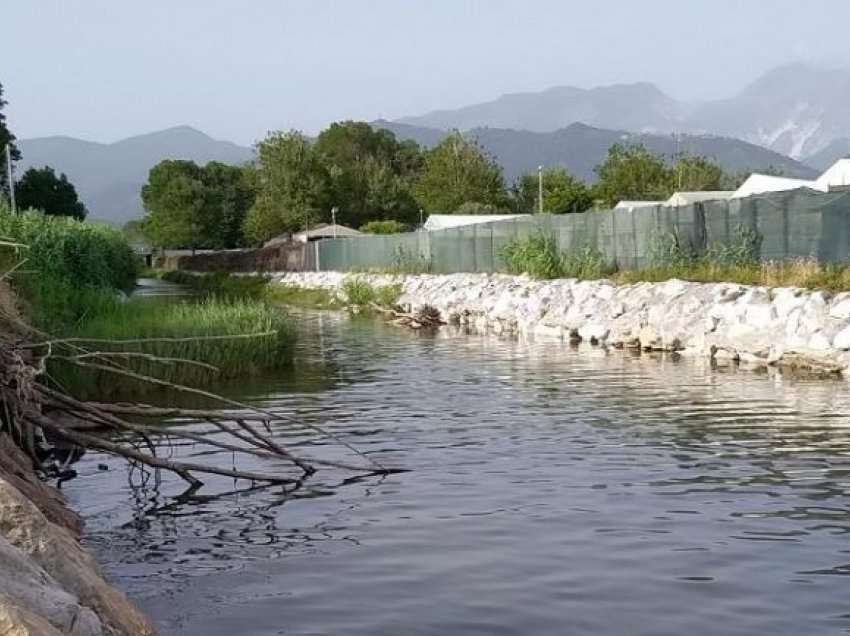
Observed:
{"x":292,"y":187}
{"x":562,"y":193}
{"x":458,"y":171}
{"x":41,"y":189}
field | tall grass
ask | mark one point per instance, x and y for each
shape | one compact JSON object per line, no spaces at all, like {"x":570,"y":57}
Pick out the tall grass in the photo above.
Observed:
{"x":220,"y":283}
{"x":77,"y":252}
{"x":189,"y":326}
{"x":538,"y":256}
{"x":360,"y":294}
{"x":67,"y":270}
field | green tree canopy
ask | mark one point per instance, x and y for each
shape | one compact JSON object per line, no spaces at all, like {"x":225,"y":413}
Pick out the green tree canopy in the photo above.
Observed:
{"x":692,"y":174}
{"x":188,"y":205}
{"x":292,"y":187}
{"x":173,"y":199}
{"x":632,"y":173}
{"x":458,"y":171}
{"x":229,"y":194}
{"x":6,"y":137}
{"x":562,"y":193}
{"x":41,"y":189}
{"x":371,"y":173}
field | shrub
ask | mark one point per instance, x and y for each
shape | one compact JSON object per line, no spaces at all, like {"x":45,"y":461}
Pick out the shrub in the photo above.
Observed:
{"x":536,"y":255}
{"x":383,"y":227}
{"x":78,"y":252}
{"x":362,"y":295}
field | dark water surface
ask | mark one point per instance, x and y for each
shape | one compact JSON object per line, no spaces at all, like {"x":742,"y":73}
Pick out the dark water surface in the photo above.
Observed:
{"x":551,"y":491}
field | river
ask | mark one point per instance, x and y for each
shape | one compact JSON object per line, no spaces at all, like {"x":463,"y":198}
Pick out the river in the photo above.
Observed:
{"x":550,"y":491}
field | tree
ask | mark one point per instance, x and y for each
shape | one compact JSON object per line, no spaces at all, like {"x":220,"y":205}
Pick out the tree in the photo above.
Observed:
{"x":693,"y":174}
{"x":292,"y":187}
{"x":229,"y":194}
{"x":41,"y":189}
{"x":562,"y":193}
{"x":632,"y":173}
{"x":371,"y":173}
{"x":458,"y":171}
{"x":173,"y":199}
{"x":6,"y":137}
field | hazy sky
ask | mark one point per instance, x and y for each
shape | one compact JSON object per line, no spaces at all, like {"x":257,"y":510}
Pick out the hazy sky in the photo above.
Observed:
{"x":106,"y":69}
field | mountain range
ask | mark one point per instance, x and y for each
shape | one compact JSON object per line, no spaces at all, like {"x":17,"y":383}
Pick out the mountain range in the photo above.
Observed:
{"x":109,"y":177}
{"x":792,"y":119}
{"x":797,"y":110}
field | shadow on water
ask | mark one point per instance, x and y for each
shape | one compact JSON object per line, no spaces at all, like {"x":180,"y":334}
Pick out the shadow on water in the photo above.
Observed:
{"x":551,"y":491}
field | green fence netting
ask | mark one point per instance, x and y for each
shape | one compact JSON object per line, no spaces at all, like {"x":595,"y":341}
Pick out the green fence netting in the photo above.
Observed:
{"x":797,"y":224}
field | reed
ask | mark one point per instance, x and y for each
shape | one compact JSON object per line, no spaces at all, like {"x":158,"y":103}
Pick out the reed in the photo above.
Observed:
{"x":198,"y":342}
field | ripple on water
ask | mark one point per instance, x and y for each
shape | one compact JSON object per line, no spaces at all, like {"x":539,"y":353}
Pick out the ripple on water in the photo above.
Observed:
{"x":551,"y":491}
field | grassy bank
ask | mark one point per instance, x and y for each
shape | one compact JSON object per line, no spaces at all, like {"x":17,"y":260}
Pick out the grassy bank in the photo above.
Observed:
{"x":195,"y":343}
{"x":71,"y":277}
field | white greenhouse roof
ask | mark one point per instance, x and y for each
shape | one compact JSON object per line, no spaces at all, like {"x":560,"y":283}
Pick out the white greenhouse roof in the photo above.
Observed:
{"x":443,"y":221}
{"x":685,"y":198}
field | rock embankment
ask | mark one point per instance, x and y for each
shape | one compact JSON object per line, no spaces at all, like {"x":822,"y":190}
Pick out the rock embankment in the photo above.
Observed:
{"x":50,"y":585}
{"x":722,"y":321}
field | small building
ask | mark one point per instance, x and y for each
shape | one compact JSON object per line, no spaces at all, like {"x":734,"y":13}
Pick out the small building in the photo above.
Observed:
{"x":323,"y":231}
{"x":445,"y":221}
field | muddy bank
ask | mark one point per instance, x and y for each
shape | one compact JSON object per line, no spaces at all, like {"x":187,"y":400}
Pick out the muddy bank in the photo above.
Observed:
{"x":49,"y":584}
{"x":722,"y":321}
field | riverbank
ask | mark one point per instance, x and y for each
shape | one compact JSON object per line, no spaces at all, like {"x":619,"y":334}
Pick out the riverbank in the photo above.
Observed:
{"x":49,"y":584}
{"x":726,"y":322}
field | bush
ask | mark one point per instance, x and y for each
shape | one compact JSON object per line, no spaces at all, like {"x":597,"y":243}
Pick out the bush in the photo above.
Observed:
{"x":77,"y":252}
{"x":536,"y":255}
{"x":383,"y":227}
{"x":360,"y":294}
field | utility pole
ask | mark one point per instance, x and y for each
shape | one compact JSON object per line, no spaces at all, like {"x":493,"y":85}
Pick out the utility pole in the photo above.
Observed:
{"x":11,"y":176}
{"x":333,"y":218}
{"x":540,"y":189}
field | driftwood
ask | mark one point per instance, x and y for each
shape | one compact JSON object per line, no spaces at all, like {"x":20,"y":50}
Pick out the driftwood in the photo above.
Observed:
{"x":32,"y":410}
{"x":425,"y":317}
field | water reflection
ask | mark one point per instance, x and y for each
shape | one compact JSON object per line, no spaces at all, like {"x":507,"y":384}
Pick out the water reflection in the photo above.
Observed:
{"x":552,"y":491}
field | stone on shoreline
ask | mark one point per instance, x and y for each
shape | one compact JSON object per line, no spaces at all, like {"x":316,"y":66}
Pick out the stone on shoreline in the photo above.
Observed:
{"x":723,"y":321}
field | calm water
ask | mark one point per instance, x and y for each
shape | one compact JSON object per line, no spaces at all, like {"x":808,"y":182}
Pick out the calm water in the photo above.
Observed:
{"x":551,"y":491}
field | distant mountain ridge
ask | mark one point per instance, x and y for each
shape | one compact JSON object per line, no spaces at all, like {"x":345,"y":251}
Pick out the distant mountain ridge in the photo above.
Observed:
{"x":797,"y":110}
{"x":109,"y":177}
{"x":580,"y":148}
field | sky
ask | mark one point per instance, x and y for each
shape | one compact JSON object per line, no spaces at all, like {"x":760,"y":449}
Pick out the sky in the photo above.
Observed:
{"x":103,"y":70}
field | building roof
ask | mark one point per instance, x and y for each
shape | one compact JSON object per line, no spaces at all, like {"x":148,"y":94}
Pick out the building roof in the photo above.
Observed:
{"x":324,"y":230}
{"x":631,"y":205}
{"x":761,"y":183}
{"x":443,"y":221}
{"x":686,"y":198}
{"x":836,"y":175}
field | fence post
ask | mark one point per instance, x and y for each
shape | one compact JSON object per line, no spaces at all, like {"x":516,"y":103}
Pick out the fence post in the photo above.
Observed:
{"x":318,"y":267}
